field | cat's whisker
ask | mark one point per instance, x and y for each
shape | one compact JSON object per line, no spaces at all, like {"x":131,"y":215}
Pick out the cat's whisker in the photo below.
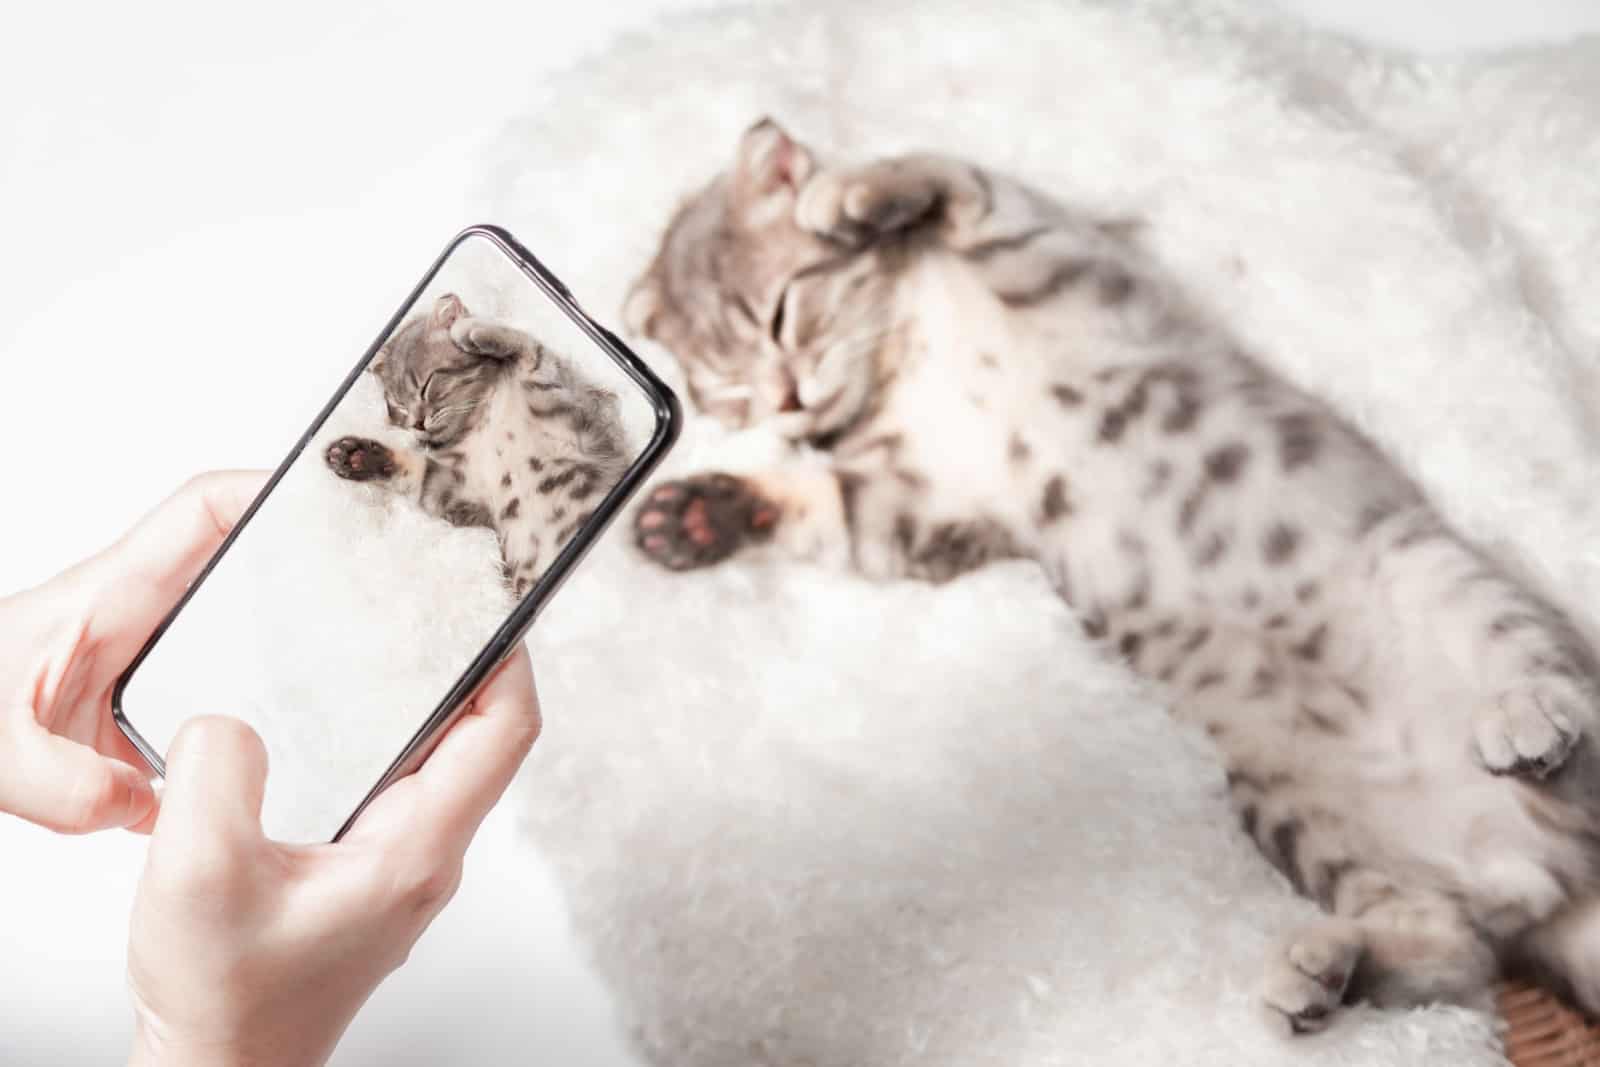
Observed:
{"x":532,"y":476}
{"x":996,"y":386}
{"x":863,"y":342}
{"x":450,"y":412}
{"x":729,"y":392}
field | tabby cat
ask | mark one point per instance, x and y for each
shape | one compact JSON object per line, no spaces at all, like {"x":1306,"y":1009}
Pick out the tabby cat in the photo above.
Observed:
{"x":990,"y":374}
{"x":506,"y":435}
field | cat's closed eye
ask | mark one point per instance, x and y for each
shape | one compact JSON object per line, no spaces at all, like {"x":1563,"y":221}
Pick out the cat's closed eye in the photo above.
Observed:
{"x":778,"y":315}
{"x":441,"y":381}
{"x":745,"y":310}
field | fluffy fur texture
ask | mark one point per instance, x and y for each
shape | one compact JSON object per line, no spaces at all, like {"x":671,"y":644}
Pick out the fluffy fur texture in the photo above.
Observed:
{"x":991,"y":376}
{"x":812,"y":820}
{"x":505,"y":435}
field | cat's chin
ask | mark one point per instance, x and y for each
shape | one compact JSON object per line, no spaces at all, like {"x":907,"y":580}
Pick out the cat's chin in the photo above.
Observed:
{"x":433,"y":444}
{"x":794,"y":425}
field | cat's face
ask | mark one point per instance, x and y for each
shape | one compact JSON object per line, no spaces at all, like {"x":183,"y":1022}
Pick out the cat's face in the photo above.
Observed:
{"x":766,"y":318}
{"x":432,"y":387}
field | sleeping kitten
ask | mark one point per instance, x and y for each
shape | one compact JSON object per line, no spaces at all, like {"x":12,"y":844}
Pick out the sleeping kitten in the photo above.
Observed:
{"x":989,"y":375}
{"x":507,"y":436}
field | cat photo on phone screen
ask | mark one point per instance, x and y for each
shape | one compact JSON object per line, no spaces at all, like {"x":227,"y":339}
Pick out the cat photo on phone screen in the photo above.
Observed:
{"x":466,"y":456}
{"x":505,"y":434}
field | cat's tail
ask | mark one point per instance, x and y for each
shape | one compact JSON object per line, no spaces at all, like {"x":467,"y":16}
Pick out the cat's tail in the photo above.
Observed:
{"x":1560,"y":948}
{"x":1562,"y":954}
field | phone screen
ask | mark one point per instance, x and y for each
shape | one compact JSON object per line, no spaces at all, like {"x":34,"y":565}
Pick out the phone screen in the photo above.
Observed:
{"x":410,"y":538}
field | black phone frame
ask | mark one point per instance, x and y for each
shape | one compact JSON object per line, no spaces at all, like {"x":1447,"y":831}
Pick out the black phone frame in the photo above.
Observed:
{"x":669,"y":422}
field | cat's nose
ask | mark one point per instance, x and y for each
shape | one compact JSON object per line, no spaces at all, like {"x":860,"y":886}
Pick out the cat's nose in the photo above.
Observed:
{"x":790,"y":399}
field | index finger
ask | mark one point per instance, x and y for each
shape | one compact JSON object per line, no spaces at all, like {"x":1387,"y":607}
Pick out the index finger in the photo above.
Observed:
{"x":446,"y":799}
{"x":151,"y":566}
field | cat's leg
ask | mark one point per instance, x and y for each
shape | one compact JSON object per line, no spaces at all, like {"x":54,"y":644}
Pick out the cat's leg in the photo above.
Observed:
{"x":482,"y":337}
{"x":441,"y":491}
{"x":703,"y":519}
{"x":1563,"y":954}
{"x":434,"y":486}
{"x":972,"y":210}
{"x":857,"y":204}
{"x":1538,"y":690}
{"x":1281,"y":725}
{"x":361,"y":459}
{"x":1026,"y":248}
{"x":836,"y":517}
{"x":1309,"y":973}
{"x":1382,"y":941}
{"x":1385,"y":943}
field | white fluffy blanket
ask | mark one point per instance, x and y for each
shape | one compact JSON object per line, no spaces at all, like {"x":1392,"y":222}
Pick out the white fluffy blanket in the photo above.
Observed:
{"x":803,"y":819}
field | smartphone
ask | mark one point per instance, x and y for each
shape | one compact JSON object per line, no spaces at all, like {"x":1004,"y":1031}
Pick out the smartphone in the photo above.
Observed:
{"x":410,"y":538}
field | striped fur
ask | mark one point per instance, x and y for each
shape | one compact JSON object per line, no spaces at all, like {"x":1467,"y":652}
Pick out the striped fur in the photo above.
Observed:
{"x":506,"y":435}
{"x":993,"y":375}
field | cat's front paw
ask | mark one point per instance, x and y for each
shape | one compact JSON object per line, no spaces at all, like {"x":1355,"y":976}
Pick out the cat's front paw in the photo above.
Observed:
{"x":360,"y":459}
{"x":479,"y":337}
{"x":855,"y":206}
{"x":1307,"y":978}
{"x":1531,"y":729}
{"x":702,"y":520}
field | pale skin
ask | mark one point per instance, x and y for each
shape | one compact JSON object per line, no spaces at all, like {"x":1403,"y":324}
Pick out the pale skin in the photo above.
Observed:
{"x":242,"y":951}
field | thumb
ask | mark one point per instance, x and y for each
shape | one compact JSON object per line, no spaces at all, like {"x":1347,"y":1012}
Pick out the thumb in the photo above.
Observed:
{"x":72,"y":789}
{"x":216,"y":778}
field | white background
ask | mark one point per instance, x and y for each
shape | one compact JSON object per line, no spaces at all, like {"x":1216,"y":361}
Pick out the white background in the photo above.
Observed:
{"x":206,"y":212}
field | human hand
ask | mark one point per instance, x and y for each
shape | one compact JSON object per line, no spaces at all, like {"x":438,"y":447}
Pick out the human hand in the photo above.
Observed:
{"x":63,"y":762}
{"x":245,"y":951}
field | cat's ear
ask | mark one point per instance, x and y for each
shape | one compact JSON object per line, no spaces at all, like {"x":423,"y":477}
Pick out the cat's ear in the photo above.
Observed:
{"x":769,"y":159}
{"x":376,"y":363}
{"x":641,"y":308}
{"x":447,"y":309}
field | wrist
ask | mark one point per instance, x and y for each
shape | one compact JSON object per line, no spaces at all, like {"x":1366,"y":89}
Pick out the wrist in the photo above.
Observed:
{"x":153,"y":1046}
{"x":150,"y":1049}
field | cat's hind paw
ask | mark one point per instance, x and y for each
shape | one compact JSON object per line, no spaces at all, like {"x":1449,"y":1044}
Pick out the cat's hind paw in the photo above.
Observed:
{"x":1531,"y":729}
{"x":360,"y":459}
{"x":1307,"y":978}
{"x":702,"y":520}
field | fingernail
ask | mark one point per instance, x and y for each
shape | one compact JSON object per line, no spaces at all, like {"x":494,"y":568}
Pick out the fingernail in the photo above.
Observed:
{"x":135,"y":795}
